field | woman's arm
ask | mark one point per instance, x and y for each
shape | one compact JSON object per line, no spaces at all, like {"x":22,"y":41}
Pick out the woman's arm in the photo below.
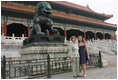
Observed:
{"x":87,"y":51}
{"x":70,"y":53}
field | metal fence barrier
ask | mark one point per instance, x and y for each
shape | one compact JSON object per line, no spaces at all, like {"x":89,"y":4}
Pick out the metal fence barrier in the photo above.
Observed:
{"x":42,"y":67}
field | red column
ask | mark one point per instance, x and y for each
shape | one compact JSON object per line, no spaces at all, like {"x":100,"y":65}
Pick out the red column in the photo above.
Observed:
{"x":2,"y":28}
{"x":5,"y":28}
{"x":65,"y":33}
{"x":95,"y":36}
{"x":84,"y":35}
{"x":28,"y":30}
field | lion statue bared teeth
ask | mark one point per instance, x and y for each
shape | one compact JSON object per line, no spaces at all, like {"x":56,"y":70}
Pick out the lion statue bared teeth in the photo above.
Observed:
{"x":41,"y":20}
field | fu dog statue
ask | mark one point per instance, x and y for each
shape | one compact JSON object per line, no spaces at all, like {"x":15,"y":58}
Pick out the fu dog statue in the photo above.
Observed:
{"x":42,"y":22}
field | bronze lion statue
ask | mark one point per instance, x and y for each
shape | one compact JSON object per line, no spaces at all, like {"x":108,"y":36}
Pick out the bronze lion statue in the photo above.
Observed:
{"x":41,"y":22}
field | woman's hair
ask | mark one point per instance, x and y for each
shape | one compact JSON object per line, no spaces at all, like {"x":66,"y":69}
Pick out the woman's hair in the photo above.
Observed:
{"x":82,"y":39}
{"x":72,"y":37}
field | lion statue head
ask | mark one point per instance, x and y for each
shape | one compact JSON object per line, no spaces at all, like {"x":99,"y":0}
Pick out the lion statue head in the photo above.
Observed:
{"x":43,"y":8}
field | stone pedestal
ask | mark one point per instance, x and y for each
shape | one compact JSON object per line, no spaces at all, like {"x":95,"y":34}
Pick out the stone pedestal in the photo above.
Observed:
{"x":40,"y":50}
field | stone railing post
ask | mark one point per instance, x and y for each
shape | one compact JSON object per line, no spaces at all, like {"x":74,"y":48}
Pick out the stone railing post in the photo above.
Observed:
{"x":100,"y":60}
{"x":3,"y":68}
{"x":48,"y":66}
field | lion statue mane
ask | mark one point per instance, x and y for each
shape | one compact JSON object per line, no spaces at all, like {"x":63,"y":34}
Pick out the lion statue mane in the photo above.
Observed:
{"x":41,"y":22}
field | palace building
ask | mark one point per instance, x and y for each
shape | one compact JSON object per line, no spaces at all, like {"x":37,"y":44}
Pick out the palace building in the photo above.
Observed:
{"x":70,"y":19}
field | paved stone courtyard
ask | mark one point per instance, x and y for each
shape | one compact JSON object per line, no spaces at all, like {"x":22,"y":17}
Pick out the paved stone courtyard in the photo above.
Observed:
{"x":109,"y":72}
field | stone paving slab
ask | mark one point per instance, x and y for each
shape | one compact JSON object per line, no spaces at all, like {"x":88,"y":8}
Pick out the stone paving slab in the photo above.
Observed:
{"x":96,"y":73}
{"x":109,"y":72}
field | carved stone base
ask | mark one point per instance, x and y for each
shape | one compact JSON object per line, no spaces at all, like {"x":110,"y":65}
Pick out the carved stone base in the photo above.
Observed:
{"x":40,"y":50}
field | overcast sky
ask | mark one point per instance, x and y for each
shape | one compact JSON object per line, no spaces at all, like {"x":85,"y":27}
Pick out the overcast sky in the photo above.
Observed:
{"x":101,"y":6}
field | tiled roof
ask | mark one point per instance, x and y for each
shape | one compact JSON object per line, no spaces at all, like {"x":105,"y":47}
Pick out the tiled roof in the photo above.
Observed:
{"x":79,"y":7}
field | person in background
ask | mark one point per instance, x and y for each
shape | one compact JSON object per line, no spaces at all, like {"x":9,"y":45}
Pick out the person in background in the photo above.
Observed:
{"x":74,"y":55}
{"x":84,"y":55}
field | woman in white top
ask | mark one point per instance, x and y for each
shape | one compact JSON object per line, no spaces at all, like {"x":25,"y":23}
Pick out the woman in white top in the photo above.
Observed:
{"x":74,"y":55}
